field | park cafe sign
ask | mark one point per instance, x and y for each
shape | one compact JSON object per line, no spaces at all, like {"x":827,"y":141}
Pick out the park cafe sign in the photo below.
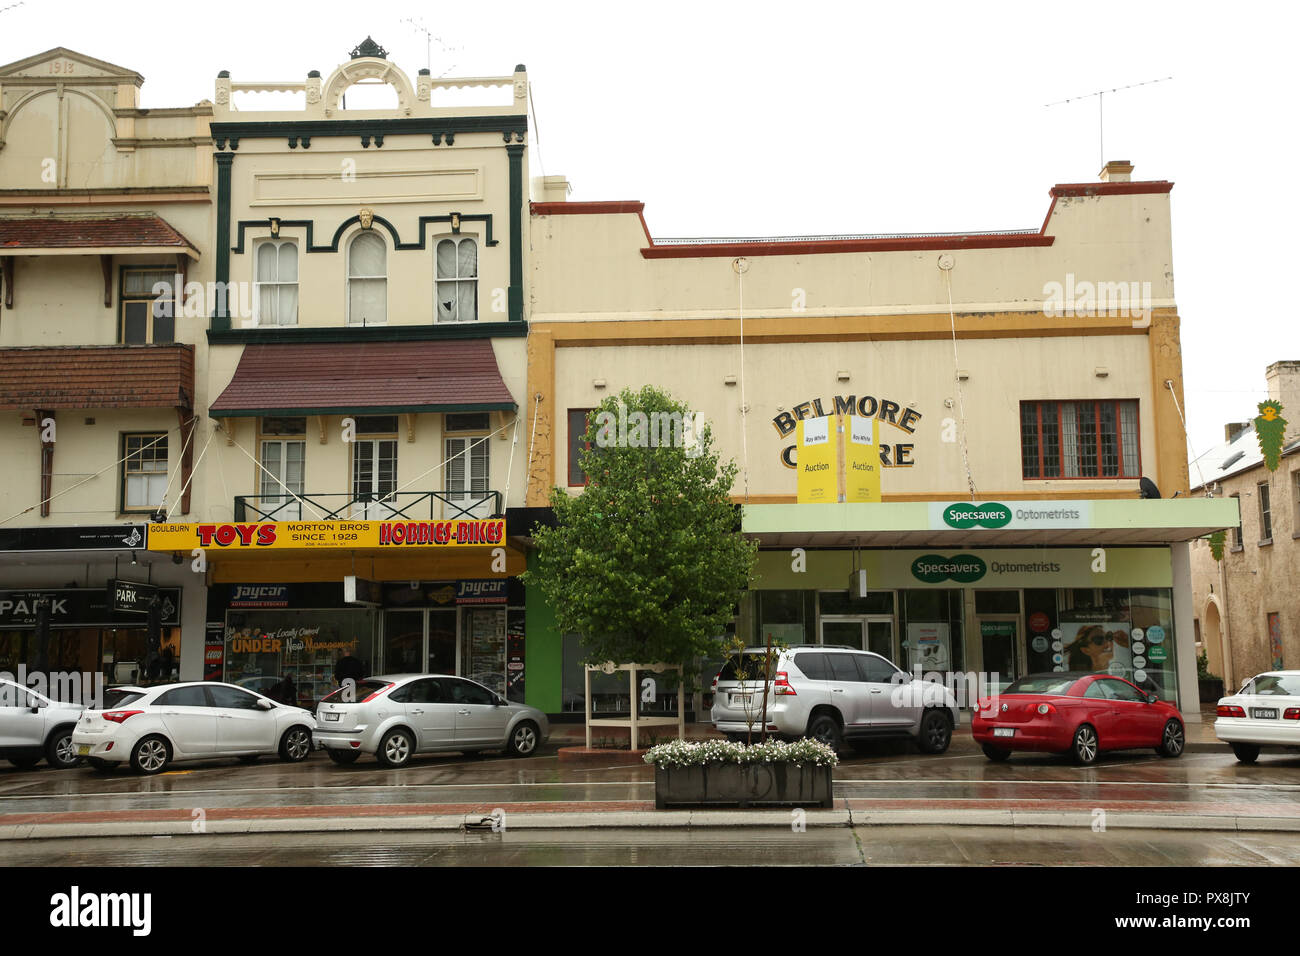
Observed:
{"x":327,"y":535}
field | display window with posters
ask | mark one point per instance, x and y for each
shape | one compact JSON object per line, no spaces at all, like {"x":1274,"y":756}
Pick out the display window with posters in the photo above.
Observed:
{"x":292,"y":655}
{"x":1127,"y":632}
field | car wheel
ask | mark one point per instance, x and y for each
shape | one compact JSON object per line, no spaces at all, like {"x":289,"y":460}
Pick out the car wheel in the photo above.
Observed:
{"x":1246,"y":753}
{"x":524,"y":739}
{"x":59,"y":752}
{"x":24,"y":763}
{"x":1084,"y":748}
{"x":826,"y":729}
{"x":150,"y":756}
{"x":1172,"y":741}
{"x":342,"y":757}
{"x":936,"y":732}
{"x":105,"y":766}
{"x":249,"y":758}
{"x":295,"y":745}
{"x":395,"y":749}
{"x":996,"y":754}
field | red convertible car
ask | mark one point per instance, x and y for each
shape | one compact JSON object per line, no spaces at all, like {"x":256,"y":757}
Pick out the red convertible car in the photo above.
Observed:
{"x":1076,"y":713}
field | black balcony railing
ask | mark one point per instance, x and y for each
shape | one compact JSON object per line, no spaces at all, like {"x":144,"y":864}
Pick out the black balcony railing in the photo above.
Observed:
{"x":411,"y":505}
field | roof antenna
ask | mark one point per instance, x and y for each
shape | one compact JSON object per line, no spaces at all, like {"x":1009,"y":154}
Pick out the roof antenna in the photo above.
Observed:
{"x":1101,"y":109}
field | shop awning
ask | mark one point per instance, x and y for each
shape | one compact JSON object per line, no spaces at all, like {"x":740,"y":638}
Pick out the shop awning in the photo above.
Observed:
{"x":940,"y":524}
{"x":97,"y":376}
{"x":367,"y":378}
{"x":109,"y":235}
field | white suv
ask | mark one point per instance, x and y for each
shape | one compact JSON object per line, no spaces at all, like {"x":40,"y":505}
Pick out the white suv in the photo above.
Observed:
{"x":33,"y":726}
{"x":832,"y":694}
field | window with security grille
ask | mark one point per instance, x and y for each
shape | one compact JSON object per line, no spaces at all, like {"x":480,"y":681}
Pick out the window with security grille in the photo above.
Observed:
{"x":144,"y":471}
{"x":1080,"y":439}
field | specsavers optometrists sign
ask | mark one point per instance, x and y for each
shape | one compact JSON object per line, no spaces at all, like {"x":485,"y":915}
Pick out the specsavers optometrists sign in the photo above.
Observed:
{"x":327,"y":535}
{"x":992,"y":515}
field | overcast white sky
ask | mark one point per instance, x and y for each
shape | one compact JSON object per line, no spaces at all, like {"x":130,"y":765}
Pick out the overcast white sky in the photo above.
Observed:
{"x":765,"y":119}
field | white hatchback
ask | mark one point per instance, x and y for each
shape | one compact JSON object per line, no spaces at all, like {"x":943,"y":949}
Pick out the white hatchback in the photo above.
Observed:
{"x":196,"y":721}
{"x":1264,"y":713}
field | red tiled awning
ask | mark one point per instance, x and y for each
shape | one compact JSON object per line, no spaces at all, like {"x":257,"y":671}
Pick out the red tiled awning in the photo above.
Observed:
{"x":372,"y":377}
{"x":97,"y":376}
{"x":121,"y":235}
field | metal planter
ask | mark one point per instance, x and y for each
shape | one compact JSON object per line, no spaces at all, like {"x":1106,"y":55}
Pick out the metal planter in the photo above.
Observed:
{"x":744,"y":785}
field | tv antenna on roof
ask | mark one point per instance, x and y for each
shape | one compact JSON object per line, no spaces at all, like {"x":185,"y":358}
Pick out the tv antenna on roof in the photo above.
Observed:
{"x":419,"y":27}
{"x":1101,"y":108}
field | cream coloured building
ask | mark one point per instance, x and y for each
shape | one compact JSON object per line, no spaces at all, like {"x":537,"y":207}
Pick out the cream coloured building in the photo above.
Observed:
{"x":1036,"y":372}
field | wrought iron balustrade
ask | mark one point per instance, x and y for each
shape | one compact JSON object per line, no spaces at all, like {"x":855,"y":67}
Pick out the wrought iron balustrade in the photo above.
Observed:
{"x":341,"y":506}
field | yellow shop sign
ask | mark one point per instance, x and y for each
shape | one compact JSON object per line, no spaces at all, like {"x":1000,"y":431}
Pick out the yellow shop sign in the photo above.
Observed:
{"x":327,"y":535}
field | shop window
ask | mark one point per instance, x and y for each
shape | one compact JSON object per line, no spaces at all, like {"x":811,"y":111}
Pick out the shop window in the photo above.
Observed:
{"x":1236,"y":532}
{"x":456,"y":285}
{"x":1081,"y":439}
{"x":932,"y":630}
{"x":844,"y":602}
{"x":577,"y":445}
{"x":147,"y":316}
{"x":144,"y":471}
{"x":997,"y":602}
{"x":275,"y":293}
{"x":367,"y":280}
{"x":1265,"y":514}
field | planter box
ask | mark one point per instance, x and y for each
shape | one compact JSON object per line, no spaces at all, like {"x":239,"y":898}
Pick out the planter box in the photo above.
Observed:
{"x":1211,"y":689}
{"x":744,"y":785}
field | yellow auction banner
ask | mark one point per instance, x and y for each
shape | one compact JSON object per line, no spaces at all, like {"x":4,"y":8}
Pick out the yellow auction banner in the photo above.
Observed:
{"x":327,"y":535}
{"x":862,"y":459}
{"x":817,"y":461}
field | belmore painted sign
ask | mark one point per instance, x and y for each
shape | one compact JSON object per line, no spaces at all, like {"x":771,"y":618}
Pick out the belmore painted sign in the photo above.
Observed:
{"x":892,"y":454}
{"x":327,"y":535}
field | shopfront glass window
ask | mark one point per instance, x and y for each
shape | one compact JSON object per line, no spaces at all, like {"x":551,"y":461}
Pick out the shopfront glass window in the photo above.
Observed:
{"x":265,"y":646}
{"x":845,"y":602}
{"x":1127,"y":632}
{"x":932,"y":630}
{"x":787,"y":617}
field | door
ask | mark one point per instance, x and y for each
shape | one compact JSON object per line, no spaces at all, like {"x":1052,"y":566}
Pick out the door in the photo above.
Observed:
{"x":430,"y":711}
{"x":849,"y":693}
{"x":1000,"y":641}
{"x":843,"y":631}
{"x":890,"y":705}
{"x":880,"y":637}
{"x":467,"y":478}
{"x":19,"y":727}
{"x":478,"y":720}
{"x":403,"y":642}
{"x":440,"y":656}
{"x":189,"y":720}
{"x":282,"y":478}
{"x":374,"y":478}
{"x":1140,"y":724}
{"x":241,"y":724}
{"x":483,"y":648}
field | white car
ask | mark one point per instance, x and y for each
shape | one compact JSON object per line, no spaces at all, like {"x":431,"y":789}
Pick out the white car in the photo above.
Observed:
{"x":33,"y":726}
{"x":195,"y":721}
{"x":1264,"y":713}
{"x":397,"y":716}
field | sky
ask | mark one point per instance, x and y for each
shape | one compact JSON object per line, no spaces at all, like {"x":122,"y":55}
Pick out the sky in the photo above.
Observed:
{"x":814,"y":118}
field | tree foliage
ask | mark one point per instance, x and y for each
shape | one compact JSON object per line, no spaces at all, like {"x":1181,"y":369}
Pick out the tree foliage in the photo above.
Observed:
{"x":647,"y":564}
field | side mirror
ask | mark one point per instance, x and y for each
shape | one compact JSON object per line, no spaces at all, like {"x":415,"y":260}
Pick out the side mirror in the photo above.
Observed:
{"x":265,"y":704}
{"x":498,"y":700}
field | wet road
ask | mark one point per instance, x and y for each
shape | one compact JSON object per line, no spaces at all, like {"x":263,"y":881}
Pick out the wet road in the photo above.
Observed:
{"x":778,"y":846}
{"x":1197,"y":782}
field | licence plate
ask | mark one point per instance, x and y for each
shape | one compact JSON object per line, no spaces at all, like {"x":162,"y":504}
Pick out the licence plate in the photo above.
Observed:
{"x":83,"y":749}
{"x":331,"y":716}
{"x":1004,"y":731}
{"x":740,"y":700}
{"x":1264,"y":713}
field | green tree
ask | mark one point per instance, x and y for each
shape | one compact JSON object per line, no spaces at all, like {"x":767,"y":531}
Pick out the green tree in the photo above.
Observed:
{"x":647,"y":564}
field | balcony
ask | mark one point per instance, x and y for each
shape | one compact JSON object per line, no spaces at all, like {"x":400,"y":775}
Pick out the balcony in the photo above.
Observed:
{"x":401,"y":505}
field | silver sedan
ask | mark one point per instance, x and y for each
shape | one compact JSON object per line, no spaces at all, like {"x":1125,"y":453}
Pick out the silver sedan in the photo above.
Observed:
{"x":397,"y":716}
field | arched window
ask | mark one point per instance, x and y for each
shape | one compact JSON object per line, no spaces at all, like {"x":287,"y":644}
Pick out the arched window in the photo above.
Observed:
{"x":456,"y":288}
{"x":367,"y":280}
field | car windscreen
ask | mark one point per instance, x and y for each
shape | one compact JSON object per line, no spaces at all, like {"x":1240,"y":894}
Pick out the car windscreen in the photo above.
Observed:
{"x":1287,"y":685}
{"x":1049,"y":684}
{"x":349,"y":695}
{"x":747,"y":666}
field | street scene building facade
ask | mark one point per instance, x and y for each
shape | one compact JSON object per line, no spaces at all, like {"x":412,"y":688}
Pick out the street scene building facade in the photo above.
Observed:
{"x":1246,"y":601}
{"x":312,"y":372}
